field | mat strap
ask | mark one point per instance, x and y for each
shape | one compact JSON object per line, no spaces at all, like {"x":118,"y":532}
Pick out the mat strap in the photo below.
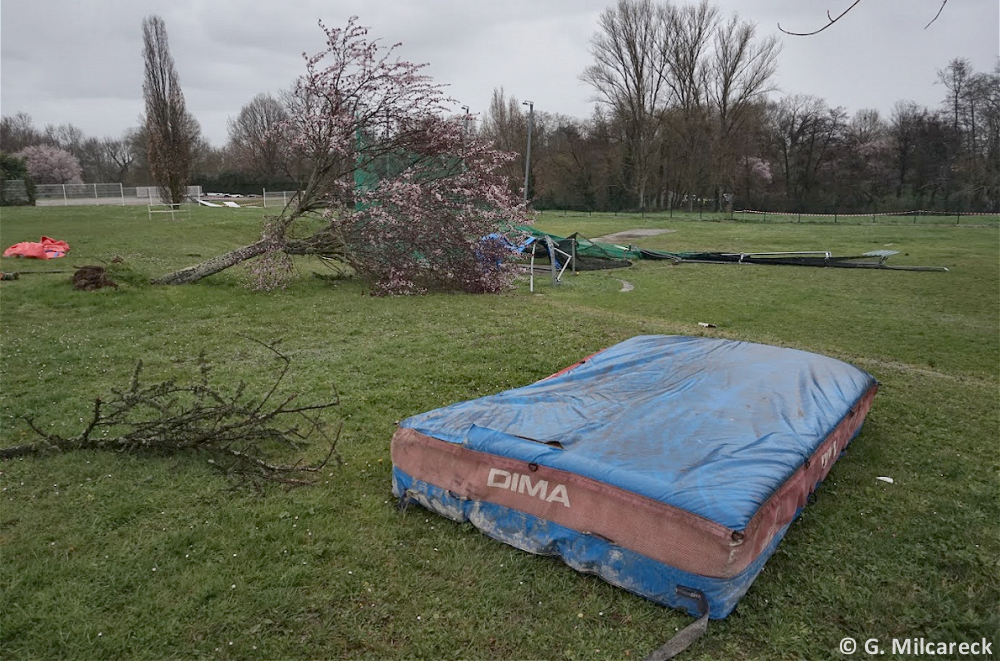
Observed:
{"x":689,"y":634}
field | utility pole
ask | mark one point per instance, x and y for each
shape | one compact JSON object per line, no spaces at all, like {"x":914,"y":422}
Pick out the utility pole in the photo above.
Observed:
{"x":527,"y":156}
{"x":465,"y":129}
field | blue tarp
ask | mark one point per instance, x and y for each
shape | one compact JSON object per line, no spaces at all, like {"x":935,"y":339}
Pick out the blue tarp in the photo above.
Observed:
{"x":709,"y":430}
{"x":710,"y":426}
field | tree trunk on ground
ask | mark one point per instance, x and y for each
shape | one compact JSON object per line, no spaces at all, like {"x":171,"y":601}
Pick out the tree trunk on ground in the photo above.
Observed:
{"x":212,"y":266}
{"x":324,"y":242}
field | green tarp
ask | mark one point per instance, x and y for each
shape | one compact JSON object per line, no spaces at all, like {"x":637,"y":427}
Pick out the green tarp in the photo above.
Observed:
{"x":584,"y":247}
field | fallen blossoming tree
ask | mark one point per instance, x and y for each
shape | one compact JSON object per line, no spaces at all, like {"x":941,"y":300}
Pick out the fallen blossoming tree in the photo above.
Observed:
{"x":406,"y":197}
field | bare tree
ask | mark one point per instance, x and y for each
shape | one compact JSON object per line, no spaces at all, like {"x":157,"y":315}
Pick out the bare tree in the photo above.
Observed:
{"x":865,"y":162}
{"x":629,"y":77}
{"x":987,"y":87}
{"x":686,"y":89}
{"x":902,"y":131}
{"x":505,"y":125}
{"x":171,"y":132}
{"x":118,"y":157}
{"x":256,"y":137}
{"x":742,"y":73}
{"x":688,"y":118}
{"x":957,"y":79}
{"x":570,"y":166}
{"x":18,"y":132}
{"x":688,"y":41}
{"x":802,"y":131}
{"x":68,"y":137}
{"x":972,"y":104}
{"x":865,"y":127}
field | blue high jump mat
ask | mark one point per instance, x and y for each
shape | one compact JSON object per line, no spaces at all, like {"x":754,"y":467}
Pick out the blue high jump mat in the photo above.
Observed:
{"x":669,"y":466}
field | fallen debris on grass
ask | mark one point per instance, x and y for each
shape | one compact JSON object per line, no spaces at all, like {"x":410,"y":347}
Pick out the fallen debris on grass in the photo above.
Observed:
{"x":89,"y":278}
{"x":236,"y":432}
{"x":44,"y":248}
{"x":594,"y":254}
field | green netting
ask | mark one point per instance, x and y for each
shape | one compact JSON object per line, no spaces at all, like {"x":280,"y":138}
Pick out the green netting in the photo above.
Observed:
{"x":584,"y":246}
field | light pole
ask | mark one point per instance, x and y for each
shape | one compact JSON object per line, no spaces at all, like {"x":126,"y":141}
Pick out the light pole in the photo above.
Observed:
{"x":527,"y":156}
{"x":465,"y":129}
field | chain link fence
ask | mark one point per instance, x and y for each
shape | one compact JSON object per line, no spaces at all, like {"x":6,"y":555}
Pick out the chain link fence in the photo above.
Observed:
{"x":108,"y":194}
{"x":14,"y":193}
{"x":98,"y":194}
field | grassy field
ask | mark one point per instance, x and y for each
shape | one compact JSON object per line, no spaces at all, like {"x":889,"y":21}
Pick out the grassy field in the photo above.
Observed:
{"x":108,"y":556}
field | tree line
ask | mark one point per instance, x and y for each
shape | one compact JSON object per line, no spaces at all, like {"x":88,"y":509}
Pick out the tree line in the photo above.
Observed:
{"x":800,"y":155}
{"x":685,"y":115}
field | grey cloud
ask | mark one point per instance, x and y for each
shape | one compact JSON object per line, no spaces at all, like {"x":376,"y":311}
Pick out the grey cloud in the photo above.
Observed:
{"x":80,"y":63}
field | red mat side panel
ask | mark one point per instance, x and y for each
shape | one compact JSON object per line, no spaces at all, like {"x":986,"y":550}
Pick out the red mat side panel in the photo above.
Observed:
{"x":659,"y":531}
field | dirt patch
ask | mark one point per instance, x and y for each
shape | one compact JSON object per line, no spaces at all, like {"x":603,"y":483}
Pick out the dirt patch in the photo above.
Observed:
{"x":89,"y":278}
{"x":625,"y":236}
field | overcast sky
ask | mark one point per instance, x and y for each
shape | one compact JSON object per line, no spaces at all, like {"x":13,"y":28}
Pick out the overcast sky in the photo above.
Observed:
{"x":79,"y":61}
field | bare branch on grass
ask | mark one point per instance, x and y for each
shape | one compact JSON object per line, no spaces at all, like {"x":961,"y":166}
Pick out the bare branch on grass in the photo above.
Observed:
{"x":238,"y":434}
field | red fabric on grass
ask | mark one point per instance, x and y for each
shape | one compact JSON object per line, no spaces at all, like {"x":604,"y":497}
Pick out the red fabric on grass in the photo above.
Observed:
{"x":46,"y":248}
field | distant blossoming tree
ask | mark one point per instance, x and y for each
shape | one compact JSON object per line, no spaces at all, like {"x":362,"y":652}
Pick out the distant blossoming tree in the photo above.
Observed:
{"x":759,"y":169}
{"x":51,"y":165}
{"x":406,"y":197}
{"x":756,"y":175}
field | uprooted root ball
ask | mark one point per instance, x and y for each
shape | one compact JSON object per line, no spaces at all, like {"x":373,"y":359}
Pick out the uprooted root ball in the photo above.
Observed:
{"x":89,"y":278}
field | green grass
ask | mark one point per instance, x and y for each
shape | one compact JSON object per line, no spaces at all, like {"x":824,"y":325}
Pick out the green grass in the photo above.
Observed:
{"x":335,"y":571}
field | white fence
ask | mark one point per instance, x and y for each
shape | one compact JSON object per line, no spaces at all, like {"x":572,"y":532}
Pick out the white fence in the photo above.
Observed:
{"x":279,"y":198}
{"x":100,"y":194}
{"x":118,"y":195}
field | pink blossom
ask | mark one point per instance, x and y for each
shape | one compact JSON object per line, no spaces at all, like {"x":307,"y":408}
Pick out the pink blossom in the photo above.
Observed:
{"x":759,"y":168}
{"x":411,"y":194}
{"x":51,"y":165}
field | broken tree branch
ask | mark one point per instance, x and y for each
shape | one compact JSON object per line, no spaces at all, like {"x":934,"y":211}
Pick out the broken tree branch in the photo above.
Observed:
{"x":940,"y":9}
{"x":239,"y":434}
{"x":831,"y":19}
